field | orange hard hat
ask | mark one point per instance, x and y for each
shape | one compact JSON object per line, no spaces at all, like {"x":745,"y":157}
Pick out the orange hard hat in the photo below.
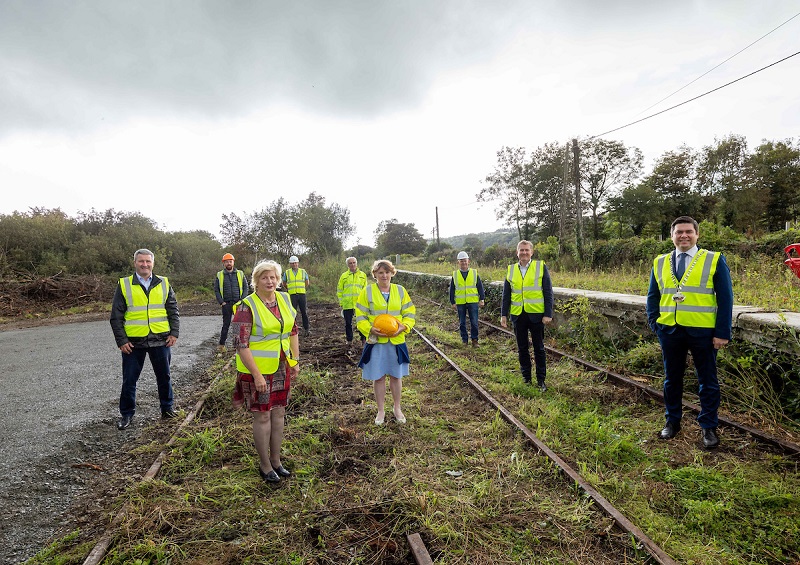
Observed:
{"x":386,"y":324}
{"x":227,"y":257}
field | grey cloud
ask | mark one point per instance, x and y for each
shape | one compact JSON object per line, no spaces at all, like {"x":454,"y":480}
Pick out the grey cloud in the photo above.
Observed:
{"x":69,"y":65}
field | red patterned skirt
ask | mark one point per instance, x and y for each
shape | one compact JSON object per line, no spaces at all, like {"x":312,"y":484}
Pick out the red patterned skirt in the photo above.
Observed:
{"x":277,"y":393}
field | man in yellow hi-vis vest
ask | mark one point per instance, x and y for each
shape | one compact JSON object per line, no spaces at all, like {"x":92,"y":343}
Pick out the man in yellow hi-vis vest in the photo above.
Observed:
{"x":528,"y":299}
{"x":145,"y":322}
{"x":690,"y":308}
{"x":466,"y":295}
{"x":296,"y":281}
{"x":230,"y":286}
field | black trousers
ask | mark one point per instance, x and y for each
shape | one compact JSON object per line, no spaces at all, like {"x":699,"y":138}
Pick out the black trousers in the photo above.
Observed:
{"x":227,"y":314}
{"x":299,"y":303}
{"x":523,"y":326}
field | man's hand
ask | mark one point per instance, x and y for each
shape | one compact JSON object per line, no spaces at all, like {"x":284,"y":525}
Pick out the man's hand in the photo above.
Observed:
{"x":719,"y":343}
{"x":504,"y":321}
{"x":454,"y":307}
{"x":481,"y":303}
{"x":171,"y":339}
{"x":126,"y":348}
{"x":546,"y":320}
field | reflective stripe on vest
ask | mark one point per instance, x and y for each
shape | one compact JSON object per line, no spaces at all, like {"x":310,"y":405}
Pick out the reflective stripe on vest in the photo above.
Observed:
{"x":145,"y":312}
{"x":699,"y":307}
{"x":239,"y":276}
{"x":466,"y":291}
{"x":371,"y":303}
{"x":269,"y":335}
{"x":526,"y":292}
{"x":296,"y":283}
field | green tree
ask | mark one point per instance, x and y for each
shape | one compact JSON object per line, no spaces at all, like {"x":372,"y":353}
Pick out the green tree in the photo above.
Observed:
{"x":322,"y":230}
{"x":774,"y":173}
{"x":606,"y":167}
{"x":510,"y":186}
{"x":673,"y":180}
{"x":720,"y":175}
{"x":635,"y":207}
{"x":393,"y":237}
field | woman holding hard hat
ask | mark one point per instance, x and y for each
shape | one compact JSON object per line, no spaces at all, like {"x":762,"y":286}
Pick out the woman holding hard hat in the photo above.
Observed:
{"x":385,"y":313}
{"x":267,"y":350}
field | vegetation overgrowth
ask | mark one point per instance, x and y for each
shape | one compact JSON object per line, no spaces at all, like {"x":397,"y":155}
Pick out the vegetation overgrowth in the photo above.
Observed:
{"x":357,"y":489}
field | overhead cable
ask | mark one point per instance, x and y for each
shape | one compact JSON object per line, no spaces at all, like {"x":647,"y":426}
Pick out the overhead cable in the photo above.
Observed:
{"x":722,"y":63}
{"x":695,"y":98}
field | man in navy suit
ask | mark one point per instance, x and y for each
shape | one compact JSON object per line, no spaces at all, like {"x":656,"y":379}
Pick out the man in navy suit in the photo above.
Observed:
{"x":690,"y":308}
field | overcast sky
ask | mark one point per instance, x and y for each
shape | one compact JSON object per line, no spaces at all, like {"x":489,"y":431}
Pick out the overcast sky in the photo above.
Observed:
{"x":186,"y":110}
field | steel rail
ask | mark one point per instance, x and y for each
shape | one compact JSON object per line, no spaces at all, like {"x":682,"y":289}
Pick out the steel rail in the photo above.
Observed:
{"x":650,"y":546}
{"x":786,"y":446}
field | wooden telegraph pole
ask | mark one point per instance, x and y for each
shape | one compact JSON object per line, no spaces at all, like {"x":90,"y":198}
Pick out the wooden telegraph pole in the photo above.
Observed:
{"x":578,"y":207}
{"x":564,"y":187}
{"x":438,"y":246}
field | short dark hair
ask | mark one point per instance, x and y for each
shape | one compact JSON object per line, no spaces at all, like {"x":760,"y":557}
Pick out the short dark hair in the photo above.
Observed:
{"x":684,"y":220}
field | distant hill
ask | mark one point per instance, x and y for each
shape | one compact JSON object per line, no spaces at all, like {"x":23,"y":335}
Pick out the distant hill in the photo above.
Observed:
{"x":500,"y":237}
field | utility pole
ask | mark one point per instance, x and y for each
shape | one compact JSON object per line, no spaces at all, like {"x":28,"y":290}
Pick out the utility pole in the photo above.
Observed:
{"x":564,"y":187}
{"x":438,"y":246}
{"x":578,"y":208}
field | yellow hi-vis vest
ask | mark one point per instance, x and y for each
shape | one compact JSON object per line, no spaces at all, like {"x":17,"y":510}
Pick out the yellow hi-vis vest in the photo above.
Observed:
{"x":370,"y":303}
{"x":145,"y":311}
{"x":269,"y":335}
{"x":349,"y":287}
{"x":296,"y":283}
{"x":466,"y":290}
{"x":699,"y":307}
{"x":526,"y":292}
{"x":239,"y":276}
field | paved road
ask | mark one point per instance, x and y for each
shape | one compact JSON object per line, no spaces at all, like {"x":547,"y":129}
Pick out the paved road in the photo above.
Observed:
{"x":59,"y":396}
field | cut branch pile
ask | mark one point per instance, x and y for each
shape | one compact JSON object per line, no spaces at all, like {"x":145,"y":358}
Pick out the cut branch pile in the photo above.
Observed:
{"x":30,"y":295}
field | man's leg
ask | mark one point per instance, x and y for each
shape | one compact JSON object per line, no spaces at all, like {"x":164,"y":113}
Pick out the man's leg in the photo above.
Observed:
{"x":473,"y":320}
{"x":348,"y":323}
{"x":521,"y":332}
{"x":705,"y":362}
{"x":227,"y":314}
{"x":674,"y":348}
{"x":160,"y":358}
{"x":301,"y":302}
{"x":539,"y":354}
{"x":462,"y":322}
{"x":132,"y":364}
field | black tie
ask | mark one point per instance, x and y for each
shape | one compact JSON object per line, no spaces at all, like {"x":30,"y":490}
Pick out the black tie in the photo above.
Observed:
{"x":681,"y":266}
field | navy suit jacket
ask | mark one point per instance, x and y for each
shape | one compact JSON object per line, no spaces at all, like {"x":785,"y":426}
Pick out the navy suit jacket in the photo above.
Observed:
{"x":722,"y":288}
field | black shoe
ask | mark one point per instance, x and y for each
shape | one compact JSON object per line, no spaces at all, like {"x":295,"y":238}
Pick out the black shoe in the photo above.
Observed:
{"x":281,"y":471}
{"x":271,"y":477}
{"x":541,"y":385}
{"x":171,"y":413}
{"x":670,"y":430}
{"x":710,"y":438}
{"x":124,"y":421}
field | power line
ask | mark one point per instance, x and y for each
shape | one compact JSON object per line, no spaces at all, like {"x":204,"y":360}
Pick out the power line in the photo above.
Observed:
{"x":722,"y":63}
{"x":696,"y":97}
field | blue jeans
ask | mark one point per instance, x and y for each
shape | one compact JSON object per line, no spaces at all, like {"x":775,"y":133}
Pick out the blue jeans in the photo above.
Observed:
{"x":472,"y":308}
{"x":132,"y":365}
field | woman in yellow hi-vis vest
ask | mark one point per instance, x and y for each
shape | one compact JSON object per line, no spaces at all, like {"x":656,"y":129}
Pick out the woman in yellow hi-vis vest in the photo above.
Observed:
{"x":267,"y":351}
{"x":385,"y":353}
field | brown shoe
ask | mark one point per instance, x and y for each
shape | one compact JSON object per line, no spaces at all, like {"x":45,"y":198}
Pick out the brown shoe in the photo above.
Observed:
{"x":474,"y":343}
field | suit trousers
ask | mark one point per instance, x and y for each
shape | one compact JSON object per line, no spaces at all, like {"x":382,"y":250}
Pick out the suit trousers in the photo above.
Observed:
{"x":299,"y":303}
{"x":675,"y":346}
{"x":523,"y":326}
{"x":132,"y":364}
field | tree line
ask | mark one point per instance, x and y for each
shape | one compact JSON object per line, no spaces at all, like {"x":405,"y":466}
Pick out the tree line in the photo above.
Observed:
{"x":750,"y":191}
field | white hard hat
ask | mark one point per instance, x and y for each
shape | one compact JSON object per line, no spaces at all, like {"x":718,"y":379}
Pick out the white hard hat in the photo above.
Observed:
{"x":294,"y":259}
{"x":462,"y":255}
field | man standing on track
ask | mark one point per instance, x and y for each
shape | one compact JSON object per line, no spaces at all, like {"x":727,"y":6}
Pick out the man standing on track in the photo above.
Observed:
{"x":296,"y":282}
{"x":466,"y":295}
{"x":350,"y":285}
{"x":230,"y":286}
{"x":528,"y":298}
{"x":145,"y":322}
{"x":690,"y":308}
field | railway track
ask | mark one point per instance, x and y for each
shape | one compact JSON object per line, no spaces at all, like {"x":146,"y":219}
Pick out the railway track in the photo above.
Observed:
{"x":785,"y":446}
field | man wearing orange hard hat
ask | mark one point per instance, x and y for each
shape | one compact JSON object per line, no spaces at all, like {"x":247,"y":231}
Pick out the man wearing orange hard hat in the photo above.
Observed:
{"x":230,"y":286}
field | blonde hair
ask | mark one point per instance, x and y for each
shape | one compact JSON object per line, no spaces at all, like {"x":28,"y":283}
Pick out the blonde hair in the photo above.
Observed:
{"x":386,"y":264}
{"x":262,"y":267}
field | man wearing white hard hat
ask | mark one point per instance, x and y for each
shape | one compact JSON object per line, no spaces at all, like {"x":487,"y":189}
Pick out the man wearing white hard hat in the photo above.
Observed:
{"x":296,"y":282}
{"x":466,"y":295}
